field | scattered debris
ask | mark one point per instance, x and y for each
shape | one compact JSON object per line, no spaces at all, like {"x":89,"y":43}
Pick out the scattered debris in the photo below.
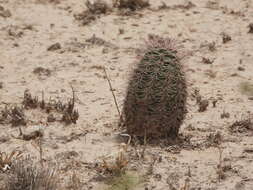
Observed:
{"x":207,"y":60}
{"x":31,"y":136}
{"x":99,"y":41}
{"x":225,"y":37}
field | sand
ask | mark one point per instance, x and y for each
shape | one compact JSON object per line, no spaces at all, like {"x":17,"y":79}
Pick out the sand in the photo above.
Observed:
{"x":216,"y":72}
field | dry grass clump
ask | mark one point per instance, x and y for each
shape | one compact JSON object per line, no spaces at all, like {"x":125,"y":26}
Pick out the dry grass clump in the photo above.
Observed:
{"x":25,"y":175}
{"x":242,"y":126}
{"x":13,"y":115}
{"x":97,"y":7}
{"x":94,"y":10}
{"x":131,"y":4}
{"x":67,"y":110}
{"x":6,"y":160}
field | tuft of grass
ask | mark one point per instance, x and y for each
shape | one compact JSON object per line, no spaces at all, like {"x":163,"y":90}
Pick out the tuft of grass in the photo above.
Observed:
{"x":25,"y":175}
{"x":246,"y":88}
{"x":125,"y":181}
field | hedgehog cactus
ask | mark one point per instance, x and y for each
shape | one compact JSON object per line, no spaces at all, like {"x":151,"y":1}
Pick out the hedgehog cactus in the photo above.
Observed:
{"x":155,"y":104}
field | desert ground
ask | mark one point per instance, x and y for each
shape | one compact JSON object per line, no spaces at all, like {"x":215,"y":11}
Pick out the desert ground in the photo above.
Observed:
{"x":49,"y":49}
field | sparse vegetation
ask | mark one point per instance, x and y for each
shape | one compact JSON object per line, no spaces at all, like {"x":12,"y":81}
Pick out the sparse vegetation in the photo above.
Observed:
{"x":94,"y":10}
{"x":244,"y":125}
{"x":13,"y":115}
{"x":134,"y":103}
{"x":26,"y":175}
{"x":7,"y":160}
{"x":131,"y":4}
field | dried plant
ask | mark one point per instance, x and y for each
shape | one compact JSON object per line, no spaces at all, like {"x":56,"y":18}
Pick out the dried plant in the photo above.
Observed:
{"x":29,"y":101}
{"x":13,"y":115}
{"x":116,"y":167}
{"x":97,"y":7}
{"x":7,"y":160}
{"x":94,"y":10}
{"x":68,"y":111}
{"x":131,"y":4}
{"x":220,"y":171}
{"x":25,"y":175}
{"x":242,"y":126}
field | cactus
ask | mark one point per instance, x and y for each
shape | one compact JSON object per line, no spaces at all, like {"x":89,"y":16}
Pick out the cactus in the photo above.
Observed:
{"x":155,"y":103}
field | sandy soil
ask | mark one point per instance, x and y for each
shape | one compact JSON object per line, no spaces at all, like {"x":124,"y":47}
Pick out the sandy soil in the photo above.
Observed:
{"x":33,"y":26}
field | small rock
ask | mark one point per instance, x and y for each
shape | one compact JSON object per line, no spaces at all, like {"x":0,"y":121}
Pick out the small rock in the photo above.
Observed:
{"x":203,"y":104}
{"x":240,"y":68}
{"x":234,"y":75}
{"x":1,"y":85}
{"x":54,"y":47}
{"x":250,"y":28}
{"x":248,"y":150}
{"x":121,"y":31}
{"x":42,"y":71}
